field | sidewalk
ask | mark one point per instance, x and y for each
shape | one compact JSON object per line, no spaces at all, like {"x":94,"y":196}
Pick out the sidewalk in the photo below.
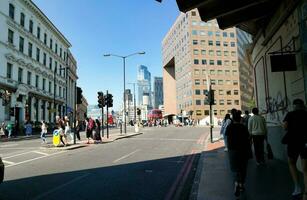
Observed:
{"x":213,"y":180}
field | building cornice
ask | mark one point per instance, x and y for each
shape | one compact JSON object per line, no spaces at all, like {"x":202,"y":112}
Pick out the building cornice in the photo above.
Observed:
{"x":39,"y":14}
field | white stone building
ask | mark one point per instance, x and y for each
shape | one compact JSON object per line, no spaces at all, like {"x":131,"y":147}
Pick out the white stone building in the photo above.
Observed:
{"x":33,"y":53}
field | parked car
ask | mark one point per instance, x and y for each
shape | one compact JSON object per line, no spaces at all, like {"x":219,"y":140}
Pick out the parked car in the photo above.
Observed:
{"x":1,"y":170}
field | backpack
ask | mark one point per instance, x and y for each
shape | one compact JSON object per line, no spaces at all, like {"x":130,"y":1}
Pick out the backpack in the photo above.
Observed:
{"x":91,"y":124}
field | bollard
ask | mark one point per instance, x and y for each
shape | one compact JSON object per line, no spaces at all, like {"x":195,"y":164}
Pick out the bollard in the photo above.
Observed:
{"x":121,"y":128}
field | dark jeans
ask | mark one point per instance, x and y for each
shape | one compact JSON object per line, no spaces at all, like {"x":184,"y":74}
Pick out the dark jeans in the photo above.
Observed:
{"x":238,"y":165}
{"x":258,"y":141}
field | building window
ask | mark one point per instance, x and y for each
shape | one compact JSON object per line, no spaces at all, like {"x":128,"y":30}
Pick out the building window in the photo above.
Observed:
{"x":232,"y":44}
{"x":211,"y":52}
{"x":219,"y":62}
{"x":197,"y":92}
{"x":236,"y":92}
{"x":220,"y":72}
{"x":217,"y":34}
{"x":195,"y":42}
{"x":226,"y":62}
{"x":202,"y":33}
{"x":194,"y":32}
{"x":227,"y":72}
{"x":221,"y":102}
{"x":31,"y":26}
{"x":60,"y":91}
{"x":235,"y":82}
{"x":20,"y":70}
{"x":56,"y":48}
{"x":229,"y":102}
{"x":55,"y":65}
{"x":228,"y":92}
{"x":218,"y":53}
{"x":50,"y":63}
{"x":197,"y":82}
{"x":50,"y":43}
{"x":212,"y":72}
{"x":30,"y":49}
{"x":203,"y":52}
{"x":29,"y":75}
{"x":10,"y":37}
{"x":234,"y":72}
{"x":232,"y":35}
{"x":203,"y":61}
{"x":61,"y":52}
{"x":194,"y":23}
{"x":234,"y":63}
{"x":220,"y":82}
{"x":196,"y":61}
{"x":38,"y":33}
{"x":36,"y":81}
{"x":217,"y":43}
{"x":9,"y":69}
{"x":210,"y":43}
{"x":44,"y":59}
{"x":12,"y":11}
{"x":193,"y":13}
{"x":37,"y":54}
{"x":45,"y":38}
{"x":198,"y":102}
{"x":222,"y":112}
{"x":228,"y":82}
{"x":22,"y":19}
{"x":224,"y":34}
{"x":49,"y":88}
{"x":44,"y":83}
{"x":221,"y":92}
{"x":213,"y":82}
{"x":233,"y":53}
{"x":195,"y":51}
{"x":206,"y":112}
{"x":225,"y":44}
{"x":210,"y":33}
{"x":21,"y":44}
{"x":211,"y":62}
{"x":203,"y":42}
{"x":236,"y":102}
{"x":196,"y":71}
{"x":226,"y":53}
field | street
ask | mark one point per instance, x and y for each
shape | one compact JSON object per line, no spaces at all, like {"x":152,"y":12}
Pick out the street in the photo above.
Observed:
{"x":154,"y":165}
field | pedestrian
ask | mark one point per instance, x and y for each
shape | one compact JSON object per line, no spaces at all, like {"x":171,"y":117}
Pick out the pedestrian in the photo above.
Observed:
{"x":97,"y":130}
{"x":9,"y":128}
{"x":67,"y":130}
{"x":61,"y":128}
{"x":296,"y":140}
{"x":2,"y":130}
{"x":28,"y":128}
{"x":245,"y":118}
{"x":89,"y":129}
{"x":239,"y":151}
{"x":258,"y":130}
{"x":43,"y":132}
{"x":78,"y":129}
{"x":225,"y":123}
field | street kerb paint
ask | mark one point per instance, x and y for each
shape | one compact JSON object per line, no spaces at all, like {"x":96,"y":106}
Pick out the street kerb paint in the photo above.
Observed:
{"x":56,"y":137}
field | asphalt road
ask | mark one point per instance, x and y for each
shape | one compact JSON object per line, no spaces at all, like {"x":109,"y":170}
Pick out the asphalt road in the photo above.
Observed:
{"x":154,"y":165}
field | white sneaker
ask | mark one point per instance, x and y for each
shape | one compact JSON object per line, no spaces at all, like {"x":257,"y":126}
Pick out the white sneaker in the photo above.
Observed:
{"x":226,"y":149}
{"x":297,"y":191}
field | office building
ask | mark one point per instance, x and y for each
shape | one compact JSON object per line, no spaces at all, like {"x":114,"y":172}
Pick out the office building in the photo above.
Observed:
{"x":158,"y":92}
{"x":144,"y":84}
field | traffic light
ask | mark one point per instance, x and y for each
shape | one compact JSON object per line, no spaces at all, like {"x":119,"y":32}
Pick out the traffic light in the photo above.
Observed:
{"x":138,"y":111}
{"x":206,"y":93}
{"x":101,"y":100}
{"x":79,"y":95}
{"x":110,"y":100}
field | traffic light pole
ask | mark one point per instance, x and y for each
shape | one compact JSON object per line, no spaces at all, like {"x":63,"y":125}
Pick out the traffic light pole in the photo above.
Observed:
{"x":107,"y":115}
{"x":211,"y":117}
{"x":102,"y":121}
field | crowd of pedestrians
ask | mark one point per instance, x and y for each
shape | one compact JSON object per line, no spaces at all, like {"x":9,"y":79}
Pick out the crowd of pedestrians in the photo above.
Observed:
{"x":241,"y":133}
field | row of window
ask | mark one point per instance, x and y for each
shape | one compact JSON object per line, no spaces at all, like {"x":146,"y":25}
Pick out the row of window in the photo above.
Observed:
{"x":214,"y":62}
{"x":220,"y":92}
{"x":211,"y":43}
{"x":212,"y":33}
{"x":221,"y":102}
{"x":207,"y":112}
{"x":215,"y":72}
{"x":211,"y":52}
{"x":9,"y":75}
{"x":215,"y":82}
{"x":38,"y":32}
{"x":38,"y":54}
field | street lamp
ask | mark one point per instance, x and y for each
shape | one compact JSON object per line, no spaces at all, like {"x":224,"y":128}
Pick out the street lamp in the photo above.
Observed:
{"x":134,"y":105}
{"x":124,"y":70}
{"x":54,"y":91}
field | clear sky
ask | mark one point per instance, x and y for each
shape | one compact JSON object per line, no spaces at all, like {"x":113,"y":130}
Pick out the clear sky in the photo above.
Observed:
{"x":122,"y":27}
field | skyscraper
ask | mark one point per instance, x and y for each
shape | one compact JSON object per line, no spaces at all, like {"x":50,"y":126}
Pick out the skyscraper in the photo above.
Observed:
{"x":144,"y":84}
{"x":198,"y":54}
{"x":158,"y":92}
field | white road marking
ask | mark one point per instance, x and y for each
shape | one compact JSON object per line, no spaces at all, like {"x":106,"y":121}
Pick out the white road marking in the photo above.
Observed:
{"x":43,"y":195}
{"x":8,"y":162}
{"x":126,"y":156}
{"x":8,"y":145}
{"x":166,"y":139}
{"x":26,"y":161}
{"x":20,"y":154}
{"x":42,"y":153}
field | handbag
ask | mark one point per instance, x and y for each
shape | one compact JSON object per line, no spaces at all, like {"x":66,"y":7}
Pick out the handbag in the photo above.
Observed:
{"x":269,"y":150}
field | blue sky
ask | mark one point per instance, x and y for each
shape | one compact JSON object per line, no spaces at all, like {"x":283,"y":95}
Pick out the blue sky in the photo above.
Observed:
{"x":122,"y":27}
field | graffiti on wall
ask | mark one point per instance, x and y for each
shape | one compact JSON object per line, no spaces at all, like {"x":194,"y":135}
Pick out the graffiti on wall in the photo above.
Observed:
{"x":277,"y":107}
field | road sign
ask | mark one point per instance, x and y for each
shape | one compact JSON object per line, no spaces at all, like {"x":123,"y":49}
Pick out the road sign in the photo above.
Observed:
{"x":56,"y":137}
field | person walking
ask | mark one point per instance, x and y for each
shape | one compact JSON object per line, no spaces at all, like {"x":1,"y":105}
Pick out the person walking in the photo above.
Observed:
{"x":226,"y":121}
{"x":9,"y":128}
{"x":258,"y":130}
{"x":61,"y":128}
{"x":67,"y":130}
{"x":28,"y":128}
{"x":296,"y":141}
{"x":245,"y":118}
{"x":2,"y":130}
{"x":97,"y":131}
{"x":239,"y":151}
{"x":78,"y":129}
{"x":43,"y":132}
{"x":89,"y":129}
